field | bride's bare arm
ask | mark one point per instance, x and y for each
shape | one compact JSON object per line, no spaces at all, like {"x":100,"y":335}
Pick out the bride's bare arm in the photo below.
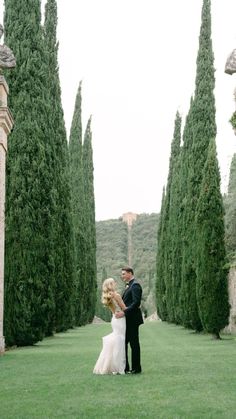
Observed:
{"x":119,"y":301}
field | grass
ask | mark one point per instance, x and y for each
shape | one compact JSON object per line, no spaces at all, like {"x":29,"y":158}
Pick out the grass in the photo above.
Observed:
{"x":185,"y":375}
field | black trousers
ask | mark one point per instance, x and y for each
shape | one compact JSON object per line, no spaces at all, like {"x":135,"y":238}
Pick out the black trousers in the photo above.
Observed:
{"x":132,"y":338}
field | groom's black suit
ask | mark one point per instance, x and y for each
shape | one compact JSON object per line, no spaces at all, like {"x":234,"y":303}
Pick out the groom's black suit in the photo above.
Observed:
{"x":132,"y":299}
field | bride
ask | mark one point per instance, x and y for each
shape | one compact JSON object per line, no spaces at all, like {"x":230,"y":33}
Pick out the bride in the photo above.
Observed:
{"x":112,"y":357}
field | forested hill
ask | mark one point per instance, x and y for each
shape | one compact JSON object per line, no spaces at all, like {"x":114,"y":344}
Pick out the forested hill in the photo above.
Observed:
{"x":119,"y":243}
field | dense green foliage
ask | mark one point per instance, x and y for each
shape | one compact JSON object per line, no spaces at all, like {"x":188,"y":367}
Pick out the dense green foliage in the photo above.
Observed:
{"x":61,"y":232}
{"x":212,"y":285}
{"x":230,"y":213}
{"x":144,"y":243}
{"x":83,"y":215}
{"x":29,"y":278}
{"x":233,"y":120}
{"x":77,"y":207}
{"x":166,"y":238}
{"x":112,"y":255}
{"x":203,"y":129}
{"x":51,"y":281}
{"x":186,"y":216}
{"x":176,"y":224}
{"x":189,"y":278}
{"x":90,"y":278}
{"x":50,"y":270}
{"x":112,"y":248}
{"x":160,"y":265}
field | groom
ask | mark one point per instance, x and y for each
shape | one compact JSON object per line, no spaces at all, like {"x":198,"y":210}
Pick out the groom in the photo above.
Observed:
{"x":132,"y":299}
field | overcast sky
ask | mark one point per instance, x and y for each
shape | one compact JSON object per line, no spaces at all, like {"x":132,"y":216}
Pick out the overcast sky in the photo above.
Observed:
{"x":137,"y":63}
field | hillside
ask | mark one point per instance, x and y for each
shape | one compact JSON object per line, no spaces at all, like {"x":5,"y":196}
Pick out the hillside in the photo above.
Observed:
{"x":120,"y":242}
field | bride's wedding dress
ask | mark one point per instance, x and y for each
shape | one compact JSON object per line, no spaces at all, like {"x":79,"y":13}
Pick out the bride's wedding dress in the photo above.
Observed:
{"x":112,"y":357}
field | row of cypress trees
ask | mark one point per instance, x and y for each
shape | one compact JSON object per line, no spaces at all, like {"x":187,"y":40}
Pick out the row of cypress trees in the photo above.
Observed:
{"x":47,"y":268}
{"x":83,"y":215}
{"x":191,"y":286}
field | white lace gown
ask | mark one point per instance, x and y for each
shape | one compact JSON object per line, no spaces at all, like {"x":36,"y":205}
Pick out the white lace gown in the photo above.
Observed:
{"x":112,"y":356}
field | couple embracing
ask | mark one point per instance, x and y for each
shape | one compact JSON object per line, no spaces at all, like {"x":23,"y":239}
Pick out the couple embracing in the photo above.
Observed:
{"x":125,"y":323}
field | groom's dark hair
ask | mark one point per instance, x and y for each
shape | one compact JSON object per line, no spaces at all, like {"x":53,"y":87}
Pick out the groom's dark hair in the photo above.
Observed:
{"x":128,"y":269}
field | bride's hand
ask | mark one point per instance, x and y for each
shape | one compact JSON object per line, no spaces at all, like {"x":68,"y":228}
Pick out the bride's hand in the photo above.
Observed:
{"x":119,"y":314}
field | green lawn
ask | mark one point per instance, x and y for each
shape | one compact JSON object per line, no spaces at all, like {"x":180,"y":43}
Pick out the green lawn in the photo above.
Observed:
{"x":185,"y":375}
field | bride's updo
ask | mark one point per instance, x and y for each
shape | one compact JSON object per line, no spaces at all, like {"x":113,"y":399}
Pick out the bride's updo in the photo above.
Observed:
{"x":108,"y":288}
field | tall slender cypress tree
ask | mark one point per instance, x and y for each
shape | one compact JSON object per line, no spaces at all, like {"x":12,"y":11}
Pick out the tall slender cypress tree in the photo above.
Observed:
{"x":171,"y":221}
{"x":160,"y":262}
{"x":77,"y":206}
{"x":212,"y":283}
{"x":61,"y":233}
{"x":174,"y":228}
{"x":177,"y":239}
{"x":28,"y":292}
{"x":91,"y":266}
{"x":203,"y":129}
{"x":187,"y":295}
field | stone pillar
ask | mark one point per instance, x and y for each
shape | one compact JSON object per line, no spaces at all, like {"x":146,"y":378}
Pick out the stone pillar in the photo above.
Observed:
{"x":6,"y":124}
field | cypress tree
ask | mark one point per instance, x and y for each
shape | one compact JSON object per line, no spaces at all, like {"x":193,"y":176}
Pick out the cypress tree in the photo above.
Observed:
{"x":176,"y":217}
{"x":230,"y":212}
{"x":28,"y":292}
{"x":90,"y":257}
{"x":187,"y":294}
{"x":77,"y":207}
{"x":174,"y":233}
{"x":204,"y":128}
{"x":171,"y":220}
{"x":165,"y":274}
{"x":212,"y":285}
{"x":61,"y":233}
{"x":160,"y":262}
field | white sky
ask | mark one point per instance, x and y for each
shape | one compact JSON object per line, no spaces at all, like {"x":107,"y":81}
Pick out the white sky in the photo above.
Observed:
{"x":137,"y":60}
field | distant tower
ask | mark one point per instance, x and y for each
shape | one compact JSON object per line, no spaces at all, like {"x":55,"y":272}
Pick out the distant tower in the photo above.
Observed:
{"x":129,"y":218}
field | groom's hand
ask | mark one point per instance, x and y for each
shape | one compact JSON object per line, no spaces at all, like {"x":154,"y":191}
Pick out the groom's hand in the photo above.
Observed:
{"x":119,"y":314}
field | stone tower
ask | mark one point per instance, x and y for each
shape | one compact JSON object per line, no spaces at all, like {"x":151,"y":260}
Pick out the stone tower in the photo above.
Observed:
{"x":129,"y":218}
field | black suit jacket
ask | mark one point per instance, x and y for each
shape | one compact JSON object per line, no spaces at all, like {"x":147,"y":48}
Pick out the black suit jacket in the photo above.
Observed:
{"x":132,"y":299}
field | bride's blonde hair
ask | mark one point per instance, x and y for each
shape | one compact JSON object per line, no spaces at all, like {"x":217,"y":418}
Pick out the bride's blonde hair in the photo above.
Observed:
{"x":108,"y":287}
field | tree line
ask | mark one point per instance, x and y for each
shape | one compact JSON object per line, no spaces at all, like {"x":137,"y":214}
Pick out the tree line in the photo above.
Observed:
{"x":112,"y":254}
{"x":50,"y":263}
{"x":192,"y":265}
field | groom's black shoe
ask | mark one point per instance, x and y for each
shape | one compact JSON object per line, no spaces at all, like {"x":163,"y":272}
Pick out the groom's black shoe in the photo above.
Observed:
{"x":127,"y":372}
{"x":136,"y":372}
